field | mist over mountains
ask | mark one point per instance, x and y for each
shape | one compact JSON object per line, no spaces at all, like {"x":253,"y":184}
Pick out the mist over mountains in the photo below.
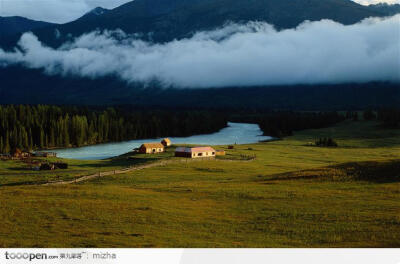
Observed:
{"x":252,"y":54}
{"x":207,"y":44}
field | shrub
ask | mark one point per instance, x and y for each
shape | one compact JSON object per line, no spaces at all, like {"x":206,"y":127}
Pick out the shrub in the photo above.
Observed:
{"x":326,"y":142}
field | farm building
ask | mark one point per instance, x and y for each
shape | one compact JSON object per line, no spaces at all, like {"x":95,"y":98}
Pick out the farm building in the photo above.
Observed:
{"x":45,"y":154}
{"x":19,"y":154}
{"x":149,"y":148}
{"x":197,"y":152}
{"x":5,"y":156}
{"x":166,"y":142}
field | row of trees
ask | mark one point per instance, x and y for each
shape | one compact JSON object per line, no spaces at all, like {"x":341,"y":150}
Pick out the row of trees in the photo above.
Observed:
{"x":367,"y":114}
{"x":284,"y":123}
{"x":390,"y":118}
{"x":281,"y":124}
{"x":42,"y":126}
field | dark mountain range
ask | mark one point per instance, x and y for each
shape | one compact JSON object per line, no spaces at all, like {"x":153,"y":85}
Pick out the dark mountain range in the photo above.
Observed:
{"x":165,"y":20}
{"x":14,"y":25}
{"x":38,"y":88}
{"x":385,"y":8}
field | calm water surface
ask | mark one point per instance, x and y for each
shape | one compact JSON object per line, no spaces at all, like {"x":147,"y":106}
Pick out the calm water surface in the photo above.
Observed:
{"x":235,"y":133}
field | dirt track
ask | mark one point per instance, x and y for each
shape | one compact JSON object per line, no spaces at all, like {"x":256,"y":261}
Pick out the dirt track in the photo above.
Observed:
{"x":108,"y":173}
{"x":129,"y":169}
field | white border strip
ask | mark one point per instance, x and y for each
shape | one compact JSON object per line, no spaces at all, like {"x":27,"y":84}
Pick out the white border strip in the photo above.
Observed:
{"x":200,"y":256}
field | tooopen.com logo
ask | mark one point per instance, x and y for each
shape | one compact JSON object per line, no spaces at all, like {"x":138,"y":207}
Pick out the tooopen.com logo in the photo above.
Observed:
{"x":25,"y":256}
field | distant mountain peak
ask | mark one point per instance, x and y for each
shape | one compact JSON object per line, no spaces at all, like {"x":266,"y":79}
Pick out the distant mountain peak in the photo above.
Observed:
{"x":97,"y":11}
{"x":93,"y":14}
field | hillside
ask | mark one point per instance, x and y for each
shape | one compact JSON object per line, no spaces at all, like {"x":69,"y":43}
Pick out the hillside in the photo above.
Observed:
{"x":15,"y":25}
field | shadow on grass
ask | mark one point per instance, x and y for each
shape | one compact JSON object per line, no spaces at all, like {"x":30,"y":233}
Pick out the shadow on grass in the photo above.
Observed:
{"x":120,"y":162}
{"x":369,"y":171}
{"x":23,"y":183}
{"x":20,"y":169}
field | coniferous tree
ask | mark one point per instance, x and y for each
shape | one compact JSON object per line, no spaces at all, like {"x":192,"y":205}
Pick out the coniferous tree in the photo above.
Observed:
{"x":41,"y":126}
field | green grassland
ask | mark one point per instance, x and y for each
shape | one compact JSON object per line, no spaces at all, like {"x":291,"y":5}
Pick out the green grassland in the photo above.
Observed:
{"x":292,"y":195}
{"x":13,"y":173}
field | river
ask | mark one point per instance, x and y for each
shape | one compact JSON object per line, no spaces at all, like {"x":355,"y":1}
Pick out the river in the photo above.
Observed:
{"x":239,"y":133}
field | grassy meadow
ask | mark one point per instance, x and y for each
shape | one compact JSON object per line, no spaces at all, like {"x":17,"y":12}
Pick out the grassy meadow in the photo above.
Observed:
{"x":292,"y":195}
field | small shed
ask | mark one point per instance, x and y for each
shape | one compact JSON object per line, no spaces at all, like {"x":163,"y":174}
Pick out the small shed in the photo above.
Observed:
{"x":151,"y":148}
{"x":166,"y":142}
{"x":220,"y":152}
{"x":196,"y":152}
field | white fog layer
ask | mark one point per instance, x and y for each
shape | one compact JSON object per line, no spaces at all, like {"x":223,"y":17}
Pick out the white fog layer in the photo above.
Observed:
{"x":234,"y":55}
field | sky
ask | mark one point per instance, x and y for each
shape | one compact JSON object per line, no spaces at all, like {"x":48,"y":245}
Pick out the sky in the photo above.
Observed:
{"x":234,"y":55}
{"x":62,"y":11}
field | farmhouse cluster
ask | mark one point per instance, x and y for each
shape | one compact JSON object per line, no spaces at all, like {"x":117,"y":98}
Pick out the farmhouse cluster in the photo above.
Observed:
{"x":154,"y":147}
{"x":33,"y":161}
{"x":184,"y":152}
{"x":18,"y":154}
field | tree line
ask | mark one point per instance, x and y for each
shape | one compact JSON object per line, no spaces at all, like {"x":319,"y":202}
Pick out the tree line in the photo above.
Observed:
{"x":283,"y":123}
{"x":43,"y":126}
{"x":389,"y":117}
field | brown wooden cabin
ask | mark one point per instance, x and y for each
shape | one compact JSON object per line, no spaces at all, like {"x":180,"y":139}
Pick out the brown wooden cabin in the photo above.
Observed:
{"x":151,"y":148}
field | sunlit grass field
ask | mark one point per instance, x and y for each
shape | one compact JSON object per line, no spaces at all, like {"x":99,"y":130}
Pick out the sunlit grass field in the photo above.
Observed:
{"x":292,"y":195}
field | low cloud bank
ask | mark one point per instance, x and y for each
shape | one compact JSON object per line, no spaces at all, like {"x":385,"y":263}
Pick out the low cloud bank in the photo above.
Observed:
{"x":234,"y":55}
{"x":369,"y":2}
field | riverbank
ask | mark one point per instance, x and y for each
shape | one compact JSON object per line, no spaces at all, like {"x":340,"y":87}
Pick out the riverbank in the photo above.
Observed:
{"x":239,"y":133}
{"x":144,"y":139}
